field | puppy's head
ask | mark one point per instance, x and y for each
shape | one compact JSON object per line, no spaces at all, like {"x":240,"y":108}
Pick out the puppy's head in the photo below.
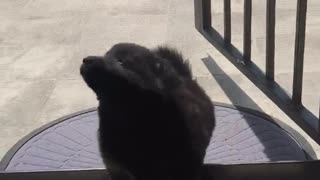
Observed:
{"x":124,"y":66}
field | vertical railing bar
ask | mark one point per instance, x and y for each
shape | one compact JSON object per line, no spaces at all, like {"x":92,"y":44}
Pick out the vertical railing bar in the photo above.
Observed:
{"x":227,"y":21}
{"x":270,"y":38}
{"x":299,"y":51}
{"x":202,"y":9}
{"x":247,"y":31}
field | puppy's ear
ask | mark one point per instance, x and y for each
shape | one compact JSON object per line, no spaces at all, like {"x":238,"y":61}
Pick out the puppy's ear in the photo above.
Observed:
{"x":176,"y":59}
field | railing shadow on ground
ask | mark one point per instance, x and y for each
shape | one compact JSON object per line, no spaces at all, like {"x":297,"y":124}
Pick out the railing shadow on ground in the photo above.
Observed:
{"x":299,"y":114}
{"x":234,"y":93}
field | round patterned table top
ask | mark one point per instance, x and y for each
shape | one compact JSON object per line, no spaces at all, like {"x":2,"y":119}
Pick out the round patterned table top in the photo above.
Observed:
{"x":240,"y":136}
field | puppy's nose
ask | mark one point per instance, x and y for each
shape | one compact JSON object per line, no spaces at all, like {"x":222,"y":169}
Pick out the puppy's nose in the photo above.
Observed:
{"x":90,"y":59}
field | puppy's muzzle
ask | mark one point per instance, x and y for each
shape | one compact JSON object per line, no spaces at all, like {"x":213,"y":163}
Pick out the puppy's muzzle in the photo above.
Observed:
{"x":91,"y":59}
{"x":91,"y":63}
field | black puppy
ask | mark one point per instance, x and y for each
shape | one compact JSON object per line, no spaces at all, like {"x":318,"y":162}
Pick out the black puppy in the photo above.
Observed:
{"x":155,"y":120}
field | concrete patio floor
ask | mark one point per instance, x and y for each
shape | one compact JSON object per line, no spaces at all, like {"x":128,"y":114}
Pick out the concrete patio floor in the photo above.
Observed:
{"x":42,"y":44}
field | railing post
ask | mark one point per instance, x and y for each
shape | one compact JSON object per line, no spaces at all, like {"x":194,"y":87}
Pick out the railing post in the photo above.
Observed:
{"x":299,"y":51}
{"x":270,"y":38}
{"x":227,"y":21}
{"x":247,"y":31}
{"x":202,"y":11}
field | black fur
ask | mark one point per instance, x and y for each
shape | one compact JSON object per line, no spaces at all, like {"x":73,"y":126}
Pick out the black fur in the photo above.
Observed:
{"x":155,"y":120}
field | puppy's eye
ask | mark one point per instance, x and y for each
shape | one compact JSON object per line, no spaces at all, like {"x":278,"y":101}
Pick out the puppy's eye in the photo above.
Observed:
{"x":117,"y":61}
{"x":120,"y":61}
{"x":158,"y":66}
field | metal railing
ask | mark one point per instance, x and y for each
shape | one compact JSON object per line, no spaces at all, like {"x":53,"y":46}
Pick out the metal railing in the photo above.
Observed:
{"x":292,"y":106}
